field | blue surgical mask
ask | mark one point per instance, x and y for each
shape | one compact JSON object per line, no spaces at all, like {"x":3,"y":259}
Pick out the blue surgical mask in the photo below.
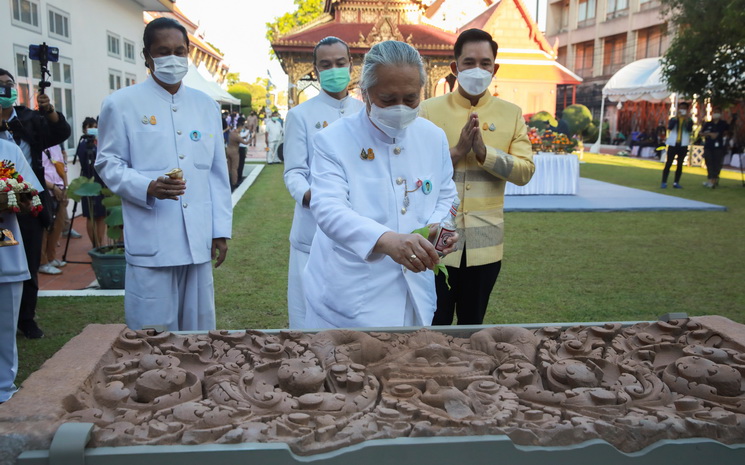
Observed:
{"x":275,"y":118}
{"x":92,"y":132}
{"x":7,"y":102}
{"x":334,"y":79}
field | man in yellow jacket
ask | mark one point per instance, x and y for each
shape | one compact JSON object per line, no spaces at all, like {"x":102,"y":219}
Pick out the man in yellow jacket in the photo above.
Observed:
{"x":489,"y":146}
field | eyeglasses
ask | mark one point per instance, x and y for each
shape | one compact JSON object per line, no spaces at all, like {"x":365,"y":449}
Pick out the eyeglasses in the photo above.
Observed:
{"x":7,"y":84}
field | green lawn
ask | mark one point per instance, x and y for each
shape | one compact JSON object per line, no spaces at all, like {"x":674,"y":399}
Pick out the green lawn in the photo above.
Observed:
{"x":558,"y":267}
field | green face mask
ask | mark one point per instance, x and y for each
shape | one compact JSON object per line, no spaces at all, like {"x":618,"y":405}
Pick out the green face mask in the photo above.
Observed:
{"x":334,"y":79}
{"x":7,"y":102}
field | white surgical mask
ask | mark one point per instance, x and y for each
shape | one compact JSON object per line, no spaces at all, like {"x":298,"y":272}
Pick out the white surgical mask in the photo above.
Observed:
{"x":683,"y":112}
{"x":474,"y":80}
{"x":716,"y":115}
{"x":393,"y":120}
{"x":170,"y":68}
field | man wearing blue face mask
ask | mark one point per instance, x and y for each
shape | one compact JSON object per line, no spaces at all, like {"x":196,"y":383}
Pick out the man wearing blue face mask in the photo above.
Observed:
{"x":332,"y":64}
{"x":489,"y":150}
{"x":161,"y":149}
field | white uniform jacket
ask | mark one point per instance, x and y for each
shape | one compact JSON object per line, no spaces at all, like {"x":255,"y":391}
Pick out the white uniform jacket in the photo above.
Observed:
{"x":302,"y":124}
{"x":13,"y":264}
{"x":144,"y":132}
{"x":359,"y":176}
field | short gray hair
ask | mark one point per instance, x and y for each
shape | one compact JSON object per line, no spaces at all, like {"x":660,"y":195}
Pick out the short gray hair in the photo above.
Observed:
{"x":390,"y":53}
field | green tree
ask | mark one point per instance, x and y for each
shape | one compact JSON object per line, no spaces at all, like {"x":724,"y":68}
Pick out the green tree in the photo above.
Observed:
{"x":539,"y":119}
{"x":252,"y":96}
{"x":579,"y":119}
{"x":306,"y":11}
{"x":707,"y":55}
{"x":241,"y":91}
{"x":233,"y":78}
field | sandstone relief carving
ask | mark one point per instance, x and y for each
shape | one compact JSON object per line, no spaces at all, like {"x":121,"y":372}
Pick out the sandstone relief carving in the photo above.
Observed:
{"x":631,"y":386}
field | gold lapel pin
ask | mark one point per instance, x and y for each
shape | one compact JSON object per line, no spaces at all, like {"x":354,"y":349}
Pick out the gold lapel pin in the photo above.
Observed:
{"x":485,"y":127}
{"x":153,"y":121}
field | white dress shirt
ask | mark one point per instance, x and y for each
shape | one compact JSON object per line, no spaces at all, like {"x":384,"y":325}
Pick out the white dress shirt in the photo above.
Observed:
{"x":303,"y":123}
{"x":356,"y":199}
{"x":144,"y":132}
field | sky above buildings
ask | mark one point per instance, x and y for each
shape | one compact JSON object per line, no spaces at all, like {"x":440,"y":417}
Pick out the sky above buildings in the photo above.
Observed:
{"x":238,"y":29}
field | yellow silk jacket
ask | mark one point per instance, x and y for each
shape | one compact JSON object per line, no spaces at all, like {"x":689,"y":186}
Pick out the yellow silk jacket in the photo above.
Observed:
{"x":509,"y":157}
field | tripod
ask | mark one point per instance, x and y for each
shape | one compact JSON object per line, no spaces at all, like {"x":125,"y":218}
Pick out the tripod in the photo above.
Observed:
{"x":67,"y":240}
{"x":69,"y":229}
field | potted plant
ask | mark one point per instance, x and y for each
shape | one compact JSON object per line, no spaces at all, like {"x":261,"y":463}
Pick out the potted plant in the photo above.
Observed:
{"x":108,"y":261}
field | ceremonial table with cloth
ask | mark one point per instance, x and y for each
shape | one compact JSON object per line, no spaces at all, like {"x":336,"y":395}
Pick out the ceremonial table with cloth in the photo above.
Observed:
{"x":554,"y":175}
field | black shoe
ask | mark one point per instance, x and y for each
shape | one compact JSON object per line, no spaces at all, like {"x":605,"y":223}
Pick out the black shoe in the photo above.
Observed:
{"x":30,"y":330}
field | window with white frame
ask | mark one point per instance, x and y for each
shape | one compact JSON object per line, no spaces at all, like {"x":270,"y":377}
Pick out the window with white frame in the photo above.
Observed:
{"x":129,"y":51}
{"x":114,"y":45}
{"x":115,"y":80}
{"x":129,"y":80}
{"x":28,"y":75}
{"x":616,"y":8}
{"x":26,"y":14}
{"x":586,"y":13}
{"x":59,"y":24}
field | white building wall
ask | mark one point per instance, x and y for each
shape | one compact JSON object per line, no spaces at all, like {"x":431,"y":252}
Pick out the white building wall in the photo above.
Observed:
{"x":81,"y":80}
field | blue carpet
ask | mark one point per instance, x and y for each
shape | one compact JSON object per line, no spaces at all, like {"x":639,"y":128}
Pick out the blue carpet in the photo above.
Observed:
{"x":601,"y":196}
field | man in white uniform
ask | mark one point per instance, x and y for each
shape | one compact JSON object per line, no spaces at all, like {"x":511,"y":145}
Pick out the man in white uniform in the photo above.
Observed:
{"x":273,"y":137}
{"x":13,"y":272}
{"x":377,"y":176}
{"x":332,"y":63}
{"x":173,"y":227}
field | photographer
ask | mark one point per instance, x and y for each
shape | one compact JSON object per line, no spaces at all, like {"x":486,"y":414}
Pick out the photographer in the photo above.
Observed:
{"x":86,"y":153}
{"x":33,"y":131}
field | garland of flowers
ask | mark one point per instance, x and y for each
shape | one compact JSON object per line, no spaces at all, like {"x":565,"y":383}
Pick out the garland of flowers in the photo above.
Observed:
{"x":12,"y":183}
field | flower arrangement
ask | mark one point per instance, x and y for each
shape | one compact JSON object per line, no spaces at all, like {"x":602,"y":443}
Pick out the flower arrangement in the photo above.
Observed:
{"x":562,"y":144}
{"x":12,"y":185}
{"x":535,"y":139}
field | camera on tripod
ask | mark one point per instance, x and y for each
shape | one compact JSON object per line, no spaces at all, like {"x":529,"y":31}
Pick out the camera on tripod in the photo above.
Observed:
{"x":43,"y":54}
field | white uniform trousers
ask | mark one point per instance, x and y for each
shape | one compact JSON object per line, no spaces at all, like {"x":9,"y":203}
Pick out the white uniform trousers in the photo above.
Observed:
{"x":295,"y":293}
{"x":181,"y":298}
{"x":409,"y":317}
{"x":10,"y":296}
{"x":272,"y":156}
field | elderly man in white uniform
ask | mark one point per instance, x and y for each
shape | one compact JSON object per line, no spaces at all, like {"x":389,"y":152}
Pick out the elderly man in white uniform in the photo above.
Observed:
{"x":332,"y":63}
{"x":376,"y":177}
{"x":173,"y":227}
{"x":13,"y":272}
{"x":273,"y":137}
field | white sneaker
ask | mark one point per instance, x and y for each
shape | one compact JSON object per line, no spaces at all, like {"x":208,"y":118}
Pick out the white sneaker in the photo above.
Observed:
{"x":57,"y":263}
{"x":49,"y":269}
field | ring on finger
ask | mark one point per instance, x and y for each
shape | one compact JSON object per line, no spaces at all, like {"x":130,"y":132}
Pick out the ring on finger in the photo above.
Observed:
{"x":413,"y":257}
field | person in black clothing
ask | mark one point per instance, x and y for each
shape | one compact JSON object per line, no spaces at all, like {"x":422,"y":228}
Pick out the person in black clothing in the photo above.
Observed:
{"x":86,"y":153}
{"x":714,"y":132}
{"x":33,"y":131}
{"x":678,"y":138}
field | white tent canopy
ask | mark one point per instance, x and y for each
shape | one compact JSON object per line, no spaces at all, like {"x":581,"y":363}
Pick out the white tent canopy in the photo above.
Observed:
{"x":637,"y":81}
{"x":640,"y":80}
{"x":195,"y":80}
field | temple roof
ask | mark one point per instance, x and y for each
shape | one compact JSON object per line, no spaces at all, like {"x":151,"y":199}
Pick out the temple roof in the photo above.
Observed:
{"x":428,"y":39}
